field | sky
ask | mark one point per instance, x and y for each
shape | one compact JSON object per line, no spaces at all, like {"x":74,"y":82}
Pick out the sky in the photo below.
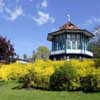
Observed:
{"x":27,"y":22}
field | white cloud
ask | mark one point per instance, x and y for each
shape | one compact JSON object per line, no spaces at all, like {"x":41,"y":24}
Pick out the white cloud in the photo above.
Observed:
{"x":92,"y":20}
{"x":43,"y":18}
{"x":14,"y":14}
{"x":2,"y":5}
{"x":44,"y":4}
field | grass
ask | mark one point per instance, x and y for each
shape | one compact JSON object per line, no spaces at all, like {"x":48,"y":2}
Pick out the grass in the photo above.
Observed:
{"x":7,"y":93}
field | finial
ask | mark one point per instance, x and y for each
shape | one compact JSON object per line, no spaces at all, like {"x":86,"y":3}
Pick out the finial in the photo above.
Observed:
{"x":68,"y":17}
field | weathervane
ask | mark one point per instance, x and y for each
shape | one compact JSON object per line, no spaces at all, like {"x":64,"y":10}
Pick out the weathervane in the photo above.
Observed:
{"x":68,"y":17}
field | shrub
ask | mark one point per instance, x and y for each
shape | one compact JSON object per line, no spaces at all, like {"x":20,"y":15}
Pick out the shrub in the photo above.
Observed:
{"x":54,"y":75}
{"x":14,"y":71}
{"x":88,"y":83}
{"x":83,"y":69}
{"x":39,"y":75}
{"x":62,"y":77}
{"x":27,"y":80}
{"x":42,"y":72}
{"x":97,"y":63}
{"x":97,"y":74}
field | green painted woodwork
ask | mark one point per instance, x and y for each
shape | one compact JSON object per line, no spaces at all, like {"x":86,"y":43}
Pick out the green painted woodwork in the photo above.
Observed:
{"x":73,"y":41}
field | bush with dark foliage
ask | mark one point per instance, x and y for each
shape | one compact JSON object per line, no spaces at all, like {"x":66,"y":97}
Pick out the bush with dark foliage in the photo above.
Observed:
{"x":6,"y":50}
{"x":61,"y":79}
{"x":89,"y":83}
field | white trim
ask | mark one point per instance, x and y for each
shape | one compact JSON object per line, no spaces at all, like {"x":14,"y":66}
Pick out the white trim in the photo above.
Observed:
{"x":69,"y":51}
{"x":58,"y":52}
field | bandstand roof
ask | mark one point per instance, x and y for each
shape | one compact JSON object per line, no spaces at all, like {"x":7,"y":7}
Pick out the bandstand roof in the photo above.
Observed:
{"x":69,"y":27}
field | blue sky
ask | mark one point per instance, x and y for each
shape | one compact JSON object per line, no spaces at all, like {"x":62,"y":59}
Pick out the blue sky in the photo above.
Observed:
{"x":27,"y":22}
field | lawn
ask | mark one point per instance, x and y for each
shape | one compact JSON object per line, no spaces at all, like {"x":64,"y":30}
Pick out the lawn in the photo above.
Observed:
{"x":8,"y":93}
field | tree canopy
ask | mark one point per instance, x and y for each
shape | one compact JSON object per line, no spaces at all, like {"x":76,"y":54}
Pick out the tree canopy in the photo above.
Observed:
{"x":95,"y":43}
{"x":7,"y":51}
{"x":42,"y":52}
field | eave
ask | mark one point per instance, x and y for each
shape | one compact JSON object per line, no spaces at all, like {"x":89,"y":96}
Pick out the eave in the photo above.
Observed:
{"x":53,"y":34}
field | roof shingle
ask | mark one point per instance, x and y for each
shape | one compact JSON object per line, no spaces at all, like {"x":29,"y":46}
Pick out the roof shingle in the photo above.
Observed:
{"x":69,"y":25}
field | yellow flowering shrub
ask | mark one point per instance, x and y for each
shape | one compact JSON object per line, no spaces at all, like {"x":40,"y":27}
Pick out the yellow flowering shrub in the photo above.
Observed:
{"x":41,"y":71}
{"x":14,"y":70}
{"x":46,"y":68}
{"x":84,"y":67}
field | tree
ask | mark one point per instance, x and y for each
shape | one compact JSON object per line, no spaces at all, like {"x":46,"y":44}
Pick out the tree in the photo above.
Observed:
{"x":97,"y":34}
{"x":42,"y":52}
{"x":95,"y":43}
{"x":25,"y":56}
{"x":7,"y":52}
{"x":95,"y":48}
